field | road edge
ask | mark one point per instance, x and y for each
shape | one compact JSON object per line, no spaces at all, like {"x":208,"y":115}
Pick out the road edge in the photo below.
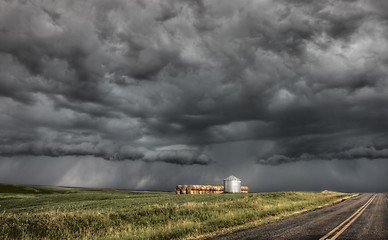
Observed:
{"x":261,"y":222}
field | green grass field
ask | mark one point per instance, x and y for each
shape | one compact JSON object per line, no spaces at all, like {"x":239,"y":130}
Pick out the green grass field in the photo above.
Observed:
{"x":28,"y":212}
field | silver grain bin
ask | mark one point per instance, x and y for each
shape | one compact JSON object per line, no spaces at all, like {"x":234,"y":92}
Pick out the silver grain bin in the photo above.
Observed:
{"x":232,"y":185}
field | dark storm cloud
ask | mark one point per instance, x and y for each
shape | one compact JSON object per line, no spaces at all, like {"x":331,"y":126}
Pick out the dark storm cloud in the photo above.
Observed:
{"x":351,"y":154}
{"x":88,"y":78}
{"x":108,"y":152}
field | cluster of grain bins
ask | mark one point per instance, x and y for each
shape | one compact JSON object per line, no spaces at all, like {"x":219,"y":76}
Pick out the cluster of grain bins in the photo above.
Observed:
{"x":231,"y":185}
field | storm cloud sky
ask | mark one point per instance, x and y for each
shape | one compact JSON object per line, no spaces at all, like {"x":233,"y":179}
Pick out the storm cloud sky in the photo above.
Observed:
{"x":287,"y":95}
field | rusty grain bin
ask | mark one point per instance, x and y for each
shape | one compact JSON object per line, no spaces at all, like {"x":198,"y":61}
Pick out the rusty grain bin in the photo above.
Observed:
{"x":232,"y":184}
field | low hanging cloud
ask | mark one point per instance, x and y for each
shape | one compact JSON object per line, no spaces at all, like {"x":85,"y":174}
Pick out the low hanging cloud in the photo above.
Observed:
{"x":369,"y":153}
{"x":109,"y":152}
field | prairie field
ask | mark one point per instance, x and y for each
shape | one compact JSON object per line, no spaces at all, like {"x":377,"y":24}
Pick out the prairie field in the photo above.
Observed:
{"x":29,"y":212}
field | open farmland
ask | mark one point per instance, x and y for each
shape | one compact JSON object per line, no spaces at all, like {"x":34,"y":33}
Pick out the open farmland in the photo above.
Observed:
{"x":54,"y":212}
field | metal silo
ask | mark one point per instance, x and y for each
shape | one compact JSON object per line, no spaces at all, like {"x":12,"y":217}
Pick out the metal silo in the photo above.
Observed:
{"x":232,"y":185}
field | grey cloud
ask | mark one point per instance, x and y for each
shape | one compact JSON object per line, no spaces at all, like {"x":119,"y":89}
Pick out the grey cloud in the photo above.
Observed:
{"x":276,"y":160}
{"x":369,"y":153}
{"x":181,"y":157}
{"x":307,"y":76}
{"x":110,"y":152}
{"x":250,"y":67}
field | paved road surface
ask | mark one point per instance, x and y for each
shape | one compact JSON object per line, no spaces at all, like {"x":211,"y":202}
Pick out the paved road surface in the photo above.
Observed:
{"x":363,"y":217}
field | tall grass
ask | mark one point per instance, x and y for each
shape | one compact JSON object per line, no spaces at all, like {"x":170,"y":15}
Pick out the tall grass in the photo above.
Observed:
{"x":49,"y":212}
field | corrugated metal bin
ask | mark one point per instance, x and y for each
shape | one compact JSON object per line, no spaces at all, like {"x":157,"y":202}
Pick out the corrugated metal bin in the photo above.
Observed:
{"x":232,"y":184}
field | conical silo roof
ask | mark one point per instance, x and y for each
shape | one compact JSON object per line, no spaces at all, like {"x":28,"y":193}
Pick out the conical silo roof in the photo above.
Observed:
{"x":232,"y":178}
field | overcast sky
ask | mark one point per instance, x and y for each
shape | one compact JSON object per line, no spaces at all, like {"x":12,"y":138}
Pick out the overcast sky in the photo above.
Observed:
{"x":286,"y":95}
